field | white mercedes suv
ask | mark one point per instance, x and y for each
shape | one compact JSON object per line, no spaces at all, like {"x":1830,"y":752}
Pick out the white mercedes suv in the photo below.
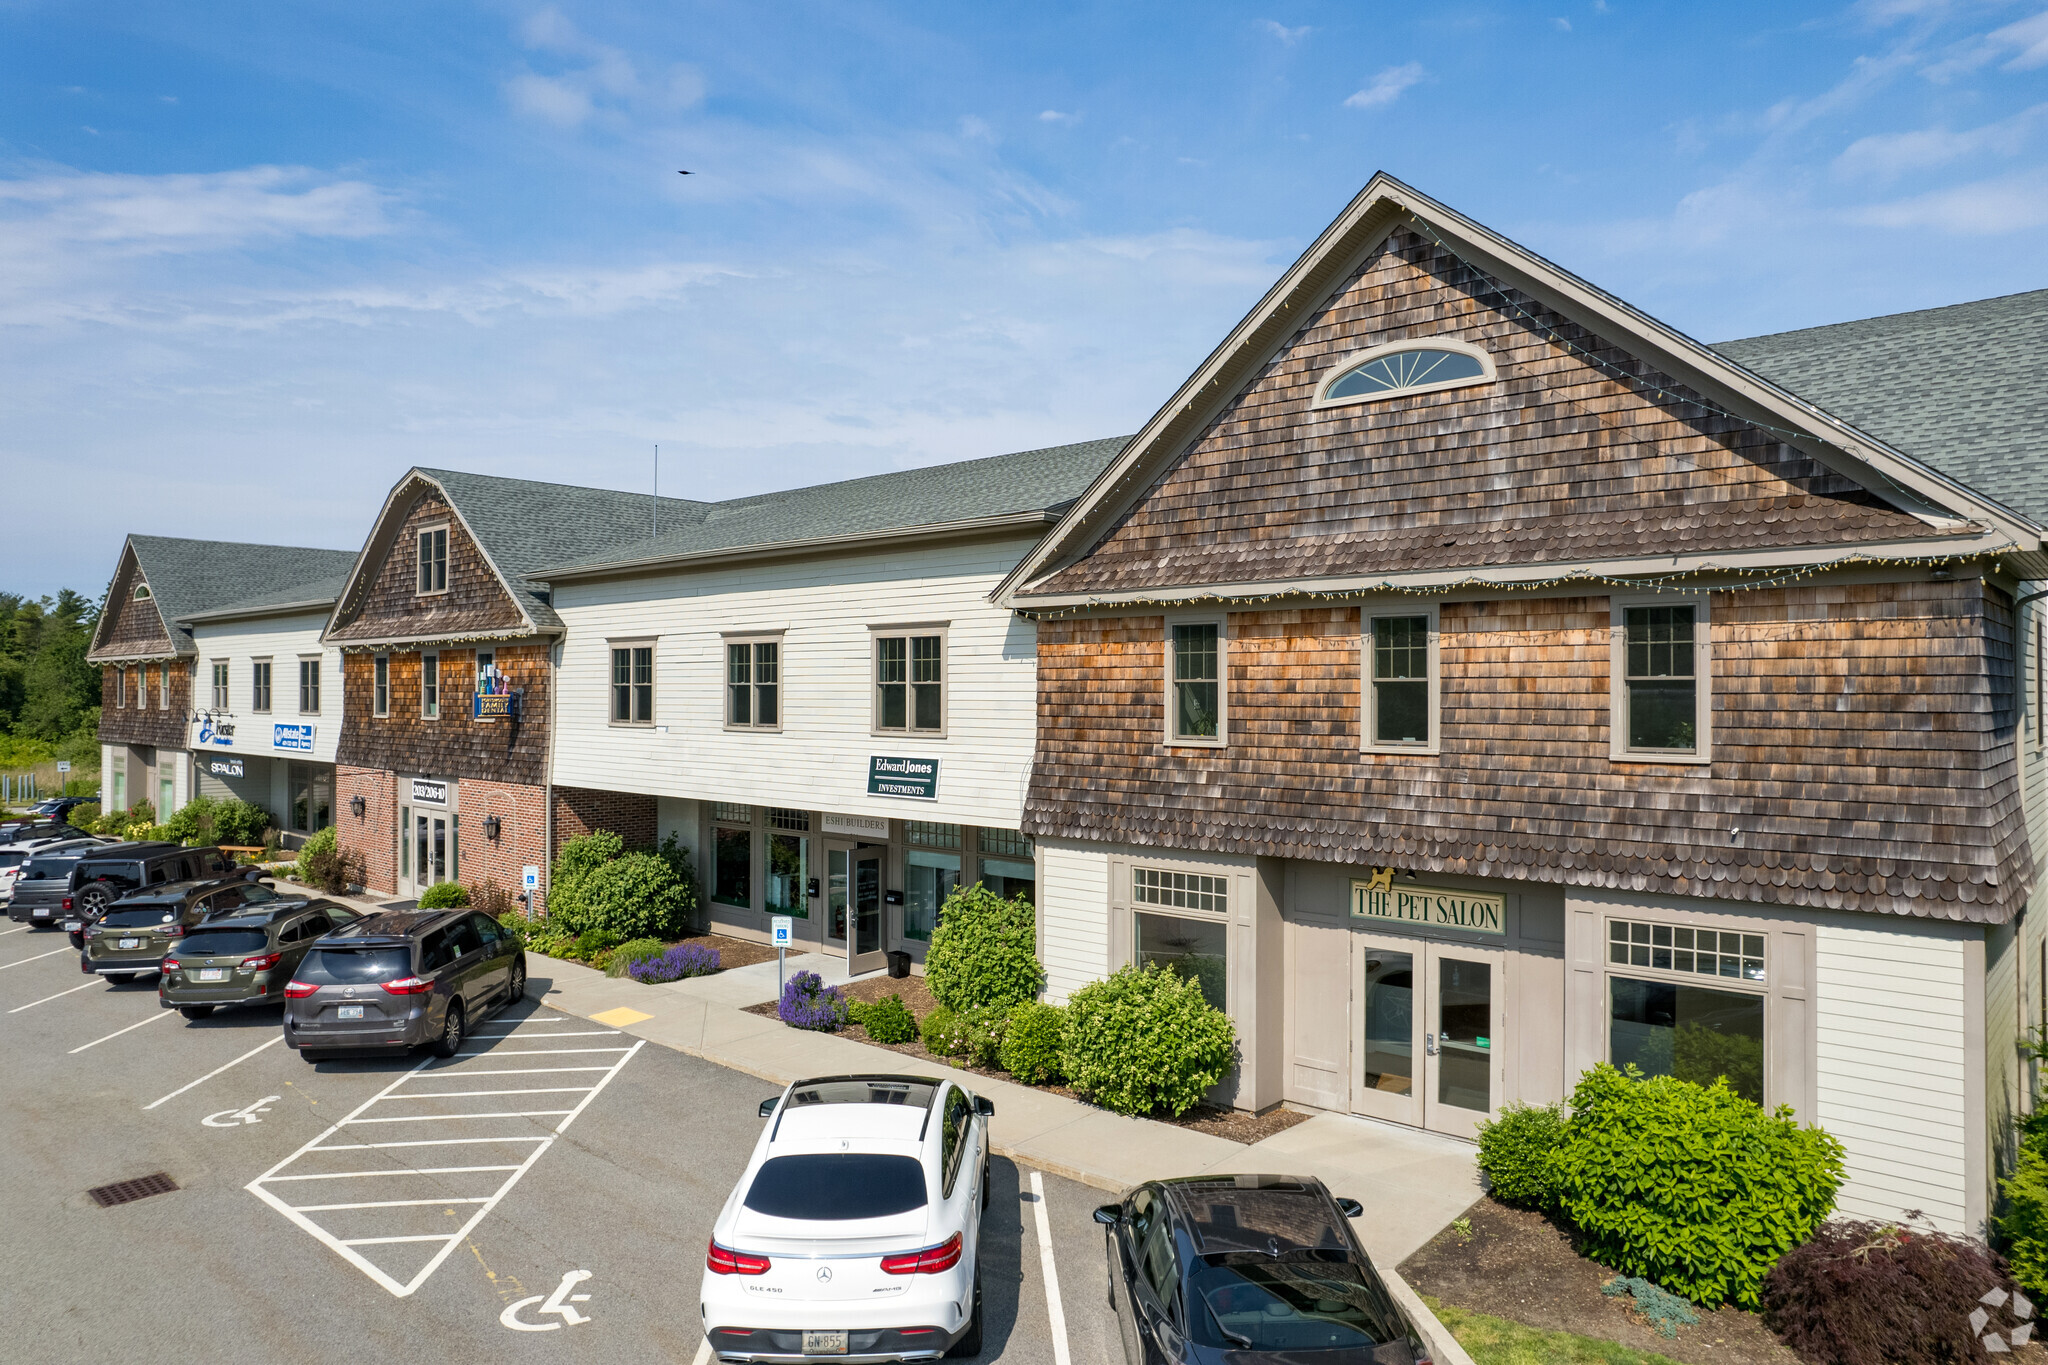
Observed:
{"x":853,"y":1233}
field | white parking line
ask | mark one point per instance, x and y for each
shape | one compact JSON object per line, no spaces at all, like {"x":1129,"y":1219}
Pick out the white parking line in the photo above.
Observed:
{"x":160,"y":1014}
{"x":703,"y":1353}
{"x":386,"y":1204}
{"x":22,"y":962}
{"x":552,"y":1034}
{"x":444,"y":1118}
{"x":403,"y":1170}
{"x":552,"y":1051}
{"x":48,"y":998}
{"x":527,"y":1070}
{"x":17,"y":929}
{"x":216,"y":1071}
{"x":464,"y":1094}
{"x":1052,"y":1278}
{"x":420,"y":1142}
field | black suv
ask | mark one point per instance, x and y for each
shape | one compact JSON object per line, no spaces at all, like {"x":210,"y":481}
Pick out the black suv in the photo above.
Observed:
{"x":49,"y":884}
{"x":394,"y":980}
{"x":131,"y":937}
{"x":21,"y":831}
{"x":124,"y":869}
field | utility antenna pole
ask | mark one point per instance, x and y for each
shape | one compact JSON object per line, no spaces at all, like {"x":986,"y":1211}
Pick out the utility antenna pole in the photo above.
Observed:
{"x":657,"y":488}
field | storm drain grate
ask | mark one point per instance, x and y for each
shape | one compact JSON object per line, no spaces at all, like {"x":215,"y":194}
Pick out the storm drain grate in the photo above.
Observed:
{"x":128,"y":1191}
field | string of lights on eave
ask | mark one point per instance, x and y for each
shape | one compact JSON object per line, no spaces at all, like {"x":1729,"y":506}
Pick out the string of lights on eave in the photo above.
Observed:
{"x":1683,"y":580}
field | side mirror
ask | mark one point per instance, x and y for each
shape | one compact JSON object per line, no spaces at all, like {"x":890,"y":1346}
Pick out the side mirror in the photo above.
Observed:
{"x":1352,"y":1208}
{"x":768,"y":1106}
{"x":254,"y":874}
{"x":1109,"y":1215}
{"x":984,"y":1106}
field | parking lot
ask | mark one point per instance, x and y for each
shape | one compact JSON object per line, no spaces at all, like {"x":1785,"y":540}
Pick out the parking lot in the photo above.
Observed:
{"x":546,"y":1194}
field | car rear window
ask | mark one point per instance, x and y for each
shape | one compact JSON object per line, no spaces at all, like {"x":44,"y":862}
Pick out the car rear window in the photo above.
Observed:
{"x":837,"y":1186}
{"x":137,"y":916}
{"x":352,"y":966}
{"x":1304,"y":1301}
{"x":222,"y":942}
{"x":43,"y":869}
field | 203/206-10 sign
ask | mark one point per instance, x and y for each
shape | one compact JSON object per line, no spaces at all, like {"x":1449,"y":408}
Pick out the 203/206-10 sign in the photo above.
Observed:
{"x":1430,"y":905}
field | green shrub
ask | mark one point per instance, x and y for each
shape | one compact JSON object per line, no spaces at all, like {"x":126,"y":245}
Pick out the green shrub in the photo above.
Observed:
{"x":195,"y":821}
{"x":323,"y":863}
{"x":83,"y":817}
{"x":888,"y":1020}
{"x":596,"y":884}
{"x":635,"y":950}
{"x":591,"y":943}
{"x":942,"y":1032}
{"x":2023,"y":1226}
{"x":984,"y":951}
{"x":240,"y":823}
{"x":1514,"y":1151}
{"x":326,"y":841}
{"x":1691,"y":1187}
{"x":444,"y":896}
{"x":1145,"y":1040}
{"x":1033,"y":1039}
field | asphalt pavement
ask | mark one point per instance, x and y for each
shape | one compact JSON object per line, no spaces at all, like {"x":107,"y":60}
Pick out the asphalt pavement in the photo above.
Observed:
{"x":545,"y":1195}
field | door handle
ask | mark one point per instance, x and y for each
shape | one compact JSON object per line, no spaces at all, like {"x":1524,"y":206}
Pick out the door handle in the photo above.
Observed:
{"x":1429,"y":1044}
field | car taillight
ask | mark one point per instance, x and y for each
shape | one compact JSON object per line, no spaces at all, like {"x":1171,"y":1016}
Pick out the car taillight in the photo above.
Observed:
{"x":299,"y":990}
{"x":257,"y":964}
{"x":725,"y":1261}
{"x":175,"y":931}
{"x":409,"y":985}
{"x":67,"y":903}
{"x":171,"y":964}
{"x":83,"y":965}
{"x":929,"y":1261}
{"x":92,"y":931}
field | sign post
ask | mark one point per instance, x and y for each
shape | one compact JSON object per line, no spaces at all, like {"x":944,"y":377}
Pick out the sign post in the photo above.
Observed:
{"x":529,"y":882}
{"x":785,"y":929}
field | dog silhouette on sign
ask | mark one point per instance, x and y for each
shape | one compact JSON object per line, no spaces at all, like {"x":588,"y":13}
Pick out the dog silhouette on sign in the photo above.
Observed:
{"x":1382,"y":879}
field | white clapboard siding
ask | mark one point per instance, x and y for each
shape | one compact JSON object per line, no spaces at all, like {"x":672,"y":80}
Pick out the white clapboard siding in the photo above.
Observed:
{"x":819,"y":759}
{"x":1891,"y":1057}
{"x":282,"y":640}
{"x":1073,"y":909}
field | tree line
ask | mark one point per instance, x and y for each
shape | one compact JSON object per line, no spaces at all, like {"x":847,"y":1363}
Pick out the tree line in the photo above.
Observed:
{"x":49,"y":694}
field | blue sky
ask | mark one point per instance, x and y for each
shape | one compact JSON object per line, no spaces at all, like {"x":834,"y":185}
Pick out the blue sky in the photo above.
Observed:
{"x":257,"y":259}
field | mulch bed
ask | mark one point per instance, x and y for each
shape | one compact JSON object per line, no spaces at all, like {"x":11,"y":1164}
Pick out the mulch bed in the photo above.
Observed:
{"x":1235,"y":1125}
{"x":1521,"y":1265}
{"x":733,"y":952}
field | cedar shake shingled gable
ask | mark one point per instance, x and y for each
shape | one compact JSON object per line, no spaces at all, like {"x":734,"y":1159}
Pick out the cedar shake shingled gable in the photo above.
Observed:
{"x":384,"y":602}
{"x":1555,"y":461}
{"x":130,"y":628}
{"x":191,"y":578}
{"x":1863,"y":752}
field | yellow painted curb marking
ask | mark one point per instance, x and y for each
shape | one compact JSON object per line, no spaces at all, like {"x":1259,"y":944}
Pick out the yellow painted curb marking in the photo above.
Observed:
{"x":619,"y":1017}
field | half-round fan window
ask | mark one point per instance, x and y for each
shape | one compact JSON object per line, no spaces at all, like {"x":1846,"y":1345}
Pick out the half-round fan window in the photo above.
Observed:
{"x":141,"y":592}
{"x":1405,"y":367}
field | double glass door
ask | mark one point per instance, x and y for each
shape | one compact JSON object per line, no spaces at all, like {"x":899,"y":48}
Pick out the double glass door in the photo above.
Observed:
{"x":853,"y":905}
{"x":430,"y":851}
{"x":1427,"y":1033}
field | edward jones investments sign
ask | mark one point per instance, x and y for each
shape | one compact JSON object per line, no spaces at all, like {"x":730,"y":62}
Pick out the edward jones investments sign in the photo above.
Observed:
{"x":917,"y":777}
{"x":1430,"y":905}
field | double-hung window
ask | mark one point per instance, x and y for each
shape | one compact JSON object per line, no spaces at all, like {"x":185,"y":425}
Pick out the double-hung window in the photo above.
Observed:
{"x":910,"y":681}
{"x":633,"y":684}
{"x":1195,"y":673}
{"x":430,"y":686}
{"x":259,"y":685}
{"x":163,"y":690}
{"x":433,"y":560}
{"x":220,"y":684}
{"x":380,"y":686}
{"x":1401,"y":681}
{"x":753,"y":684}
{"x":309,"y":687}
{"x":1661,"y":707}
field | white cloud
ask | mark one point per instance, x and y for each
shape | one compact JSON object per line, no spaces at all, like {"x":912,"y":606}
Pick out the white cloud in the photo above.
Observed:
{"x":976,"y":129}
{"x":1386,"y":87}
{"x":1289,"y":36}
{"x":556,"y":101}
{"x":155,"y":213}
{"x":1055,"y":116}
{"x":1987,"y":208}
{"x":601,"y":77}
{"x":2030,"y":36}
{"x":1884,"y":156}
{"x":1563,"y":24}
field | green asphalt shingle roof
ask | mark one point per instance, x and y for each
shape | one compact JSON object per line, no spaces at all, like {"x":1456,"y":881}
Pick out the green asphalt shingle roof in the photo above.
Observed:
{"x":187,"y":577}
{"x":1957,"y":388}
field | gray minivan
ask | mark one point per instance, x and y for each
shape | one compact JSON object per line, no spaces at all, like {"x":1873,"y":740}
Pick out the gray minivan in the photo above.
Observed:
{"x":398,"y":979}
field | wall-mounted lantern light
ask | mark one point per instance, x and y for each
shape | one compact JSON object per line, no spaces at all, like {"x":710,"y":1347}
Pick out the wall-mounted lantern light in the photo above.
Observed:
{"x":355,"y":806}
{"x":491,"y":828}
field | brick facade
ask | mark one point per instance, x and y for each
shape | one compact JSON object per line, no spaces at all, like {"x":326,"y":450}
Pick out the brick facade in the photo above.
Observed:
{"x":374,"y":835}
{"x":579,"y":810}
{"x":522,"y":833}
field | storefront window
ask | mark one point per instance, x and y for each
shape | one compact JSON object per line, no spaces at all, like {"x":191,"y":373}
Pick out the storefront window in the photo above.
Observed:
{"x":928,"y":878}
{"x":1006,"y":866}
{"x":789,"y":870}
{"x":1193,"y":948}
{"x":1390,"y":1023}
{"x":1682,"y":948}
{"x":1692,"y":1032}
{"x":733,"y":867}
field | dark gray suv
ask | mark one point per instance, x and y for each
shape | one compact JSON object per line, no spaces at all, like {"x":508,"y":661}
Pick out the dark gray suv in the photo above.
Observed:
{"x":400,"y":979}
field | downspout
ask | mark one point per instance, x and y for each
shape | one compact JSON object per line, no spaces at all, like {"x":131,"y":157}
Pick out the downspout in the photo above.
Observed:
{"x":547,"y":860}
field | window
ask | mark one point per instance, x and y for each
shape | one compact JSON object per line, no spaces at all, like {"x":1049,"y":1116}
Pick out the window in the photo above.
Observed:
{"x":1695,"y":1033}
{"x":953,"y":1138}
{"x":380,"y":686}
{"x":220,"y":684}
{"x":259,"y":685}
{"x":1195,"y":675}
{"x":1006,"y":864}
{"x":752,"y":690}
{"x":789,"y":868}
{"x":1181,"y":890}
{"x":120,"y":687}
{"x":163,"y":687}
{"x":931,"y":872}
{"x":1403,"y":368}
{"x":142,"y":592}
{"x":632,"y":684}
{"x":1661,"y":710}
{"x":1192,"y":948}
{"x":433,"y":558}
{"x":309,"y":687}
{"x":732,"y":855}
{"x":1401,"y":666}
{"x":1687,"y":949}
{"x":430,"y":686}
{"x":910,"y":686}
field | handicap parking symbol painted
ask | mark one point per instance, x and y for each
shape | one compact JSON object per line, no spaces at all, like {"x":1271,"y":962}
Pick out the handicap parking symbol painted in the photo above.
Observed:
{"x":557,"y":1302}
{"x":235,"y":1118}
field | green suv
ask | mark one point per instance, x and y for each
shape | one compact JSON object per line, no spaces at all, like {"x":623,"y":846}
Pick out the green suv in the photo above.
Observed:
{"x":244,"y":956}
{"x":133,"y":935}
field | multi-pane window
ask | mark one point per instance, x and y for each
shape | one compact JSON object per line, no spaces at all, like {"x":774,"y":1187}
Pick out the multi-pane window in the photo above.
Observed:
{"x":732,"y":854}
{"x":1663,"y":691}
{"x":309,"y":687}
{"x":120,"y":687}
{"x":753,"y":684}
{"x":1007,"y":865}
{"x":931,"y":873}
{"x":910,"y":689}
{"x":1181,"y":890}
{"x":1400,"y":680}
{"x":1196,"y":712}
{"x":220,"y":684}
{"x":1678,"y":948}
{"x":259,"y":685}
{"x":430,"y":686}
{"x":163,"y":687}
{"x":433,"y":558}
{"x":633,"y":685}
{"x":380,"y":686}
{"x":787,"y":890}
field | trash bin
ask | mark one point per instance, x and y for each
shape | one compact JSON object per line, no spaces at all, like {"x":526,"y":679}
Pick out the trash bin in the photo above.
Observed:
{"x":899,"y":963}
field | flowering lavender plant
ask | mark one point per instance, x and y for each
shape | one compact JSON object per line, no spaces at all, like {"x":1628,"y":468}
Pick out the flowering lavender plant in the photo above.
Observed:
{"x":807,"y":1002}
{"x":684,"y":959}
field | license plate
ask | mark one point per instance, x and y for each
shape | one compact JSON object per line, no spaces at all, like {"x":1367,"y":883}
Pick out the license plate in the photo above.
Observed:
{"x":348,"y":1011}
{"x":40,"y":914}
{"x":128,"y":943}
{"x":70,"y":926}
{"x":211,"y":974}
{"x":824,"y":1343}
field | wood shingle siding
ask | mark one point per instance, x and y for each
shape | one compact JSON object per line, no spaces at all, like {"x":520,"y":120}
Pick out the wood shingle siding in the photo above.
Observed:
{"x":453,"y":745}
{"x":1555,"y":461}
{"x":1862,"y":751}
{"x":389,"y":605}
{"x":135,"y":629}
{"x":165,"y":727}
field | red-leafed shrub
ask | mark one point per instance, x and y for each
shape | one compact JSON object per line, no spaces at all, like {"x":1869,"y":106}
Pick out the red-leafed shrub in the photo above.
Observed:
{"x":1879,"y":1294}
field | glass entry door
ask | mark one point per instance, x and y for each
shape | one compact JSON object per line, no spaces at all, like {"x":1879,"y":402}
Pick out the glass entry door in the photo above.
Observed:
{"x":430,"y":851}
{"x":864,"y":953}
{"x":1427,"y":1033}
{"x":838,"y":890}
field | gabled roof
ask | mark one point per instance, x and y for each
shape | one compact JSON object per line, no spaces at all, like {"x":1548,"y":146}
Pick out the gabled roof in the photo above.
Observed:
{"x":1385,"y":205}
{"x":1024,"y":488}
{"x":189,"y":578}
{"x":1957,"y":388}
